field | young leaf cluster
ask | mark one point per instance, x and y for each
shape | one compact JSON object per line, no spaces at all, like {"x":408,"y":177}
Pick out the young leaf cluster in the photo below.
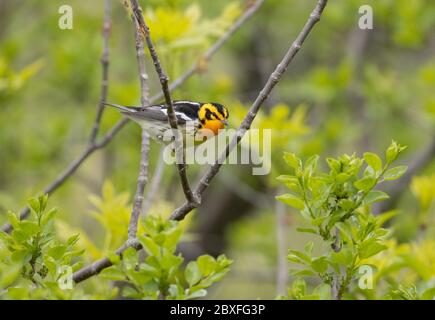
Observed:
{"x":43,"y":262}
{"x":335,"y":206}
{"x":161,"y":275}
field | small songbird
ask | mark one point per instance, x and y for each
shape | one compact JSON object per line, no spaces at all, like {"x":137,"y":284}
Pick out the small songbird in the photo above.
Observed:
{"x":196,"y":120}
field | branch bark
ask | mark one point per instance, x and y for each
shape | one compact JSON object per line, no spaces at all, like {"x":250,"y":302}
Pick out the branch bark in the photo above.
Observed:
{"x":105,"y":73}
{"x":111,"y":134}
{"x":142,"y":178}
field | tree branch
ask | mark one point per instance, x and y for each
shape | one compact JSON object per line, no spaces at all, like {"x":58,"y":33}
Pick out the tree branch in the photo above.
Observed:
{"x":274,"y":78}
{"x":142,"y":178}
{"x":111,"y":134}
{"x":105,"y":73}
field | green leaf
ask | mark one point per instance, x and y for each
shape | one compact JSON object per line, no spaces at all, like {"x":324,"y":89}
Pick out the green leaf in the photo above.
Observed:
{"x":197,"y":294}
{"x":428,"y":294}
{"x":365,"y":183}
{"x":292,"y":160}
{"x":57,"y":252}
{"x":384,"y":217}
{"x":333,"y":164}
{"x":374,"y":196}
{"x":304,"y":272}
{"x":309,"y":247}
{"x":172,"y":237}
{"x":21,"y":256}
{"x":206,"y":264}
{"x":112,"y":273}
{"x":344,"y":257}
{"x":306,"y":230}
{"x":18,"y":293}
{"x":114,"y":258}
{"x":319,"y":264}
{"x":48,"y":217}
{"x":192,"y":273}
{"x":13,"y":219}
{"x":395,"y":173}
{"x":34,"y":204}
{"x":346,"y":204}
{"x":370,"y":248}
{"x":393,"y":151}
{"x":286,"y":179}
{"x":311,"y":164}
{"x":373,"y":161}
{"x":29,"y":228}
{"x":342,"y":177}
{"x":73,"y":239}
{"x":150,"y":246}
{"x":299,"y":257}
{"x":130,"y":259}
{"x":292,"y":201}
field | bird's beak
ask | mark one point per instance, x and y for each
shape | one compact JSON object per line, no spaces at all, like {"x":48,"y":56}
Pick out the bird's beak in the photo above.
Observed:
{"x":225,"y":122}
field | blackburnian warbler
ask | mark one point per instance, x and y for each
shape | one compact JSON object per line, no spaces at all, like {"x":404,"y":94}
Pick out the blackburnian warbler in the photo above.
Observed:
{"x":195,"y":120}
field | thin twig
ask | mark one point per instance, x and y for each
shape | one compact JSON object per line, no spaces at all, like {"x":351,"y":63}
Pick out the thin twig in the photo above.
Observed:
{"x":117,"y":127}
{"x":172,"y":118}
{"x":142,"y":178}
{"x":274,"y":78}
{"x":105,"y":73}
{"x":103,"y":263}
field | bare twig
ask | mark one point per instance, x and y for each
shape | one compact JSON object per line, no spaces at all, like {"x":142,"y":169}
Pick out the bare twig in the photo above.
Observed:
{"x":172,"y":118}
{"x":142,"y":178}
{"x":274,"y":78}
{"x":111,"y":134}
{"x":101,"y":264}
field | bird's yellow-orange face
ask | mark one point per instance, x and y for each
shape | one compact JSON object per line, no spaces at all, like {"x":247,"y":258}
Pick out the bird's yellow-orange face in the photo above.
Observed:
{"x":213,"y":116}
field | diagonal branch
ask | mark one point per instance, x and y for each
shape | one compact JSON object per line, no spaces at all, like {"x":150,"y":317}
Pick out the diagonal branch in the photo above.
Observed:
{"x":172,"y":118}
{"x":111,"y":134}
{"x":182,"y":211}
{"x":274,"y":78}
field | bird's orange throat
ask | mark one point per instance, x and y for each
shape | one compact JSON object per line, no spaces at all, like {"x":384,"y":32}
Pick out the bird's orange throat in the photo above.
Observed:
{"x":214,"y":126}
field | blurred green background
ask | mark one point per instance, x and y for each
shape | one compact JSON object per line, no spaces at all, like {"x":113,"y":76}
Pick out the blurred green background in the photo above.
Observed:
{"x":348,"y":90}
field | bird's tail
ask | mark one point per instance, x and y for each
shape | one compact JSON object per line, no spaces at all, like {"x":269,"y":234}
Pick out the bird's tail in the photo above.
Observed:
{"x":122,"y":108}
